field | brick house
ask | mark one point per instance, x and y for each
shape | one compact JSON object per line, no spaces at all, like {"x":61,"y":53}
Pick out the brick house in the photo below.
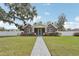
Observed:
{"x":40,"y":29}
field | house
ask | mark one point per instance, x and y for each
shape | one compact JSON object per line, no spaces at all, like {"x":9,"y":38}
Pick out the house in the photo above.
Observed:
{"x":76,"y":29}
{"x":39,"y":29}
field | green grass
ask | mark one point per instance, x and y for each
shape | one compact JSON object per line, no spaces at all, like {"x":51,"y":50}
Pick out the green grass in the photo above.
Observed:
{"x":16,"y":46}
{"x":63,"y":46}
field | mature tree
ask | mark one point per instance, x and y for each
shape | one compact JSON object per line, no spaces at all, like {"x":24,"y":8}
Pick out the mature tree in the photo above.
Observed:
{"x":40,"y":23}
{"x":35,"y":23}
{"x":69,"y":29}
{"x":61,"y":21}
{"x":21,"y":11}
{"x":3,"y":15}
{"x":49,"y":22}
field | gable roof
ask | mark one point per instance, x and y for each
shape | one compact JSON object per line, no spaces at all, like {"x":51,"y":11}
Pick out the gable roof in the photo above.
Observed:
{"x":26,"y":25}
{"x":52,"y":25}
{"x":39,"y":26}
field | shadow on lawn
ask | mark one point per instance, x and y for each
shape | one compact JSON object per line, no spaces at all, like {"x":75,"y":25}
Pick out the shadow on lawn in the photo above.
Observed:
{"x":15,"y":36}
{"x":7,"y":36}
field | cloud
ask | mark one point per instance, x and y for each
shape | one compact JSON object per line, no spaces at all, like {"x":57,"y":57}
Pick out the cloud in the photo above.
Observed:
{"x":77,"y":18}
{"x":47,"y":13}
{"x":36,"y":19}
{"x":47,"y":4}
{"x":12,"y":26}
{"x":1,"y":24}
{"x":71,"y":25}
{"x":7,"y":26}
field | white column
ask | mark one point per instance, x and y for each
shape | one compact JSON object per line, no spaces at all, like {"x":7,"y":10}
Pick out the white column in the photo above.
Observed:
{"x":45,"y":29}
{"x":41,"y":31}
{"x":38,"y":31}
{"x":33,"y":29}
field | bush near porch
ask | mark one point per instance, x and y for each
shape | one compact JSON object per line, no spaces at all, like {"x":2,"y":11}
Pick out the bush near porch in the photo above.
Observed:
{"x":25,"y":34}
{"x":53,"y":34}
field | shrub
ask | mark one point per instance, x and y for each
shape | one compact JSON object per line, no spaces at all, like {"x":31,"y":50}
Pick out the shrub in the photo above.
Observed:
{"x":25,"y":34}
{"x":31,"y":34}
{"x":52,"y":34}
{"x":76,"y":34}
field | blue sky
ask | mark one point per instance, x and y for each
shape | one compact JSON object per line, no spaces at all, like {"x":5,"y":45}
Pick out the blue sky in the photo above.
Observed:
{"x":50,"y":12}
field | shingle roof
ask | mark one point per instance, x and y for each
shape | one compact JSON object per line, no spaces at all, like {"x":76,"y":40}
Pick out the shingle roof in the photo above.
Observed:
{"x":41,"y":25}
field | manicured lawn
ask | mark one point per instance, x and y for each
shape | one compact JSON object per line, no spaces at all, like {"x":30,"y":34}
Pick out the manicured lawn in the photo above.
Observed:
{"x":63,"y":46}
{"x":15,"y":46}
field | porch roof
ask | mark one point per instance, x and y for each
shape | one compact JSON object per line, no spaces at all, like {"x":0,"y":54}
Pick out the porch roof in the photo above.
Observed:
{"x":39,"y":26}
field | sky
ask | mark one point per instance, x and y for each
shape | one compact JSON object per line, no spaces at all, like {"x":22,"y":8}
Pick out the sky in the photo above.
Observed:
{"x":50,"y":12}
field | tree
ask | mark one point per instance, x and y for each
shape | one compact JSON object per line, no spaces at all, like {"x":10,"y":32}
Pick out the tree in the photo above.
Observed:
{"x":61,"y":21}
{"x":21,"y":11}
{"x":49,"y":22}
{"x":35,"y":23}
{"x":40,"y":23}
{"x":3,"y":15}
{"x":69,"y":29}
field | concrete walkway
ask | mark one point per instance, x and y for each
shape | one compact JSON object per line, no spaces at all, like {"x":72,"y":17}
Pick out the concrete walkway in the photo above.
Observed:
{"x":40,"y":48}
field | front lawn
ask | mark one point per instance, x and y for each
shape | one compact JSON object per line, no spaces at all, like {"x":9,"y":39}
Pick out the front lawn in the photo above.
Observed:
{"x":15,"y":46}
{"x":62,"y":46}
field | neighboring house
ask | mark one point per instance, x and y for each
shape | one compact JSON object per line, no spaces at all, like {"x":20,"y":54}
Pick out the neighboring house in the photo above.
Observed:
{"x":28,"y":29}
{"x":39,"y":29}
{"x":76,"y":29}
{"x":51,"y":28}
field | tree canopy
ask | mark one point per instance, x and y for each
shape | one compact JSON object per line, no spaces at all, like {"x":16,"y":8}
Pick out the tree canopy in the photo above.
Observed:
{"x":61,"y":21}
{"x":21,"y":11}
{"x":3,"y":15}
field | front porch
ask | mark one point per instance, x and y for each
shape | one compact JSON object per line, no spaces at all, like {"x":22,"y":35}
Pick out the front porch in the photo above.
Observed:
{"x":39,"y":31}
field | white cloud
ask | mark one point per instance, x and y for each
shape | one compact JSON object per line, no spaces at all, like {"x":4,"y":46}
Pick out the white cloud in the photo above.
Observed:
{"x":71,"y":25}
{"x":47,"y":13}
{"x":36,"y":19}
{"x":12,"y":26}
{"x":77,"y":18}
{"x":74,"y":24}
{"x":1,"y":24}
{"x":7,"y":26}
{"x":47,"y":4}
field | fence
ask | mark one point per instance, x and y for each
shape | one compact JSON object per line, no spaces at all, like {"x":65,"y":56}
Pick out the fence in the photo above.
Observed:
{"x":14,"y":33}
{"x":10,"y":33}
{"x":67,"y":33}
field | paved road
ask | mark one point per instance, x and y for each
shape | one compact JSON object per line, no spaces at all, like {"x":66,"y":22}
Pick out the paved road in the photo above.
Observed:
{"x":40,"y":48}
